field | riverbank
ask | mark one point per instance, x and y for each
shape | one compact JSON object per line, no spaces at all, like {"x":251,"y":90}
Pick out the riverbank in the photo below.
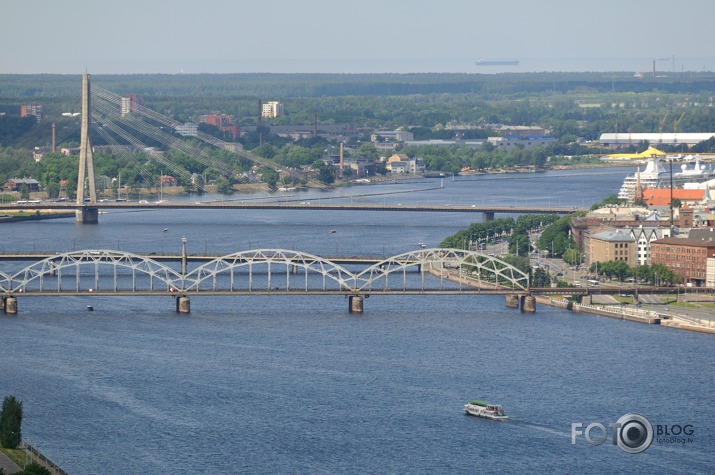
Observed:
{"x":649,"y":317}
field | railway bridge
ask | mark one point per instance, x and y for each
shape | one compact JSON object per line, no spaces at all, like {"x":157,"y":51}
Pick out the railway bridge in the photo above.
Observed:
{"x":258,"y":272}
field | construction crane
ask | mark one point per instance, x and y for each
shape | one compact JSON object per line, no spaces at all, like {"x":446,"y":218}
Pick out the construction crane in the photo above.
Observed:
{"x":677,"y":122}
{"x":662,"y":122}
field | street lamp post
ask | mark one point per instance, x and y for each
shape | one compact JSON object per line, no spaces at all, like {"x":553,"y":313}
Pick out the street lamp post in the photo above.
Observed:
{"x":183,"y":256}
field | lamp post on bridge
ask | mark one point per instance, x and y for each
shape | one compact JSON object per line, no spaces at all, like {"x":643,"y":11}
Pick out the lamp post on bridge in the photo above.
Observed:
{"x":183,"y":257}
{"x":183,"y":304}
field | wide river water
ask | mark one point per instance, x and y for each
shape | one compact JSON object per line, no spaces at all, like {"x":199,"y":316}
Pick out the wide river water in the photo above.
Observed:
{"x":299,"y":385}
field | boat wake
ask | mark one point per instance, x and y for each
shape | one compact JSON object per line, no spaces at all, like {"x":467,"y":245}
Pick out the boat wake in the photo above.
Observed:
{"x":539,"y":427}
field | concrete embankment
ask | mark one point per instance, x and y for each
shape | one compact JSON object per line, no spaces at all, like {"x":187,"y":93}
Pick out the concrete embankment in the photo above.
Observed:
{"x":681,"y":324}
{"x":634,"y":315}
{"x":40,"y":459}
{"x":621,"y":313}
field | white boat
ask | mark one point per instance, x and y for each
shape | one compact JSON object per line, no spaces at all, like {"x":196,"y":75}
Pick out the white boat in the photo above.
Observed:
{"x":655,"y":175}
{"x":486,"y":410}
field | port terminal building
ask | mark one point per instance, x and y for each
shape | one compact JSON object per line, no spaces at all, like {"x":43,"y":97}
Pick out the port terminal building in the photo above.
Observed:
{"x":616,"y":140}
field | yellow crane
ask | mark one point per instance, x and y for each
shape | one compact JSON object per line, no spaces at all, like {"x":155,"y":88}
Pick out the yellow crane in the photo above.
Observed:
{"x":677,"y":122}
{"x":662,"y":122}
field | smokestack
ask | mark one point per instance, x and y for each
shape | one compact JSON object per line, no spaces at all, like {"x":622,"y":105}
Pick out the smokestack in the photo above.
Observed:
{"x":53,"y":137}
{"x":340,"y":171}
{"x":315,"y":124}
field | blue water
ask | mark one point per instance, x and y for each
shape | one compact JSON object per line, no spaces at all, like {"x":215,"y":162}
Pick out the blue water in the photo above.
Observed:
{"x":299,"y":385}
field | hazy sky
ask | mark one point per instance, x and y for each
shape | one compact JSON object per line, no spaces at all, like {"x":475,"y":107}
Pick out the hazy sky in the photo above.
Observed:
{"x":220,"y":36}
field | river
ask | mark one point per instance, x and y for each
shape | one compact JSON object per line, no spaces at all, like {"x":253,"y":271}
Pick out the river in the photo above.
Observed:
{"x":299,"y":385}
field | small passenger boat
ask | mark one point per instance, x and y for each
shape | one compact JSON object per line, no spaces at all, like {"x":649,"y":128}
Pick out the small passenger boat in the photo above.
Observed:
{"x":486,"y":410}
{"x":90,"y":308}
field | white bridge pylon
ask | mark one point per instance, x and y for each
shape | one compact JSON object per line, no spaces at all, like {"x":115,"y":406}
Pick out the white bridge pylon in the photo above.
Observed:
{"x":262,"y":270}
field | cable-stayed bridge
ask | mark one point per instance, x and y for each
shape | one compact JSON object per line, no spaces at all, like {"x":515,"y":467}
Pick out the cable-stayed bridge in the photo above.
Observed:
{"x":101,"y":111}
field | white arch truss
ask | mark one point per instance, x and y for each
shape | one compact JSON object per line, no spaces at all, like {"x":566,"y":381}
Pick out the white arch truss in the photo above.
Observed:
{"x":241,"y":270}
{"x":261,"y":270}
{"x":80,"y":270}
{"x":483,"y":270}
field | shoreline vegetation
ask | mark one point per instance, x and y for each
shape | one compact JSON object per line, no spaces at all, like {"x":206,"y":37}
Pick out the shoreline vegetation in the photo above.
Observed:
{"x":211,"y":190}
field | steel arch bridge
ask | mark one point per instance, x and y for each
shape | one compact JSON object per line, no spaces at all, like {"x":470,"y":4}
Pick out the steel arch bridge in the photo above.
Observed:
{"x":259,"y":271}
{"x":483,"y":270}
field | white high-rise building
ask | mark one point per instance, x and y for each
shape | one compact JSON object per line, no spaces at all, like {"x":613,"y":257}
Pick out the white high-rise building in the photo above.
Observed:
{"x":272,"y":109}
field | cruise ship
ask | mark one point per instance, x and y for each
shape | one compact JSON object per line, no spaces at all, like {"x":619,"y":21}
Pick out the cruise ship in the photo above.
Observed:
{"x":655,"y":175}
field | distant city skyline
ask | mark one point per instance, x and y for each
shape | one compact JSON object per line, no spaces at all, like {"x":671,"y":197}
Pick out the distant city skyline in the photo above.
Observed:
{"x":223,"y":36}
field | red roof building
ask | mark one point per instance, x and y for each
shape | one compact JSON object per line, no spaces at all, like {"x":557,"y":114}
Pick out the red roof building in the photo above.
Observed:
{"x":661,"y":196}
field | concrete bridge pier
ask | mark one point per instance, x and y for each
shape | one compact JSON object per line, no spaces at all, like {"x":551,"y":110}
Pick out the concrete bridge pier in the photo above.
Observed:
{"x":87,"y":215}
{"x":528,"y":304}
{"x":355,"y":304}
{"x":586,"y":300}
{"x":2,"y":303}
{"x":512,"y":301}
{"x":487,"y":216}
{"x":183,"y":304}
{"x":10,"y":305}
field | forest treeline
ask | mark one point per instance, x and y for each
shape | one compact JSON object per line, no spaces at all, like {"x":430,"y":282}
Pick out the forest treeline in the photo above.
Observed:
{"x":576,"y":108}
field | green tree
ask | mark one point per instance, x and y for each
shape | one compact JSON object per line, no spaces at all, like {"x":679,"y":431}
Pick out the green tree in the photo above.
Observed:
{"x":541,"y":278}
{"x":326,"y":174}
{"x":223,"y":186}
{"x":555,"y":237}
{"x":572,"y":256}
{"x":269,"y":176}
{"x":24,"y":191}
{"x":519,"y":242}
{"x":34,"y":469}
{"x":10,"y":422}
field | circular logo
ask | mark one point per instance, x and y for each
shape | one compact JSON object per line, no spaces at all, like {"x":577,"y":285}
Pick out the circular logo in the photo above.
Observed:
{"x":634,"y":434}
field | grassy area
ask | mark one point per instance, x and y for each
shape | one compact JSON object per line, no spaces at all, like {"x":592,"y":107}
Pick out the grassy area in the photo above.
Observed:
{"x":16,"y":455}
{"x":681,"y":304}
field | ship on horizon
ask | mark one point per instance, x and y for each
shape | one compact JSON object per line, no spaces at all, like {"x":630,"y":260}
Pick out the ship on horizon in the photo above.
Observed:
{"x":497,"y":62}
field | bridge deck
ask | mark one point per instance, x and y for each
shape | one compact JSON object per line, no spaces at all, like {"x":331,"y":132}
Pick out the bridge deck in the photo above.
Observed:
{"x":475,"y":208}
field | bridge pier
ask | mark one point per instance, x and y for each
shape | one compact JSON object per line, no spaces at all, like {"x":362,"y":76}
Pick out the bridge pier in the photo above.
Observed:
{"x":528,"y":304}
{"x":355,"y":304}
{"x":487,"y":216}
{"x":183,"y":304}
{"x":2,"y":303}
{"x":586,"y":299}
{"x":87,"y":215}
{"x":10,"y":305}
{"x":512,"y":301}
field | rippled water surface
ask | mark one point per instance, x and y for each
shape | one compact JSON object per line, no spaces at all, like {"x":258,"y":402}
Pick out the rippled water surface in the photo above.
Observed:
{"x":299,"y":385}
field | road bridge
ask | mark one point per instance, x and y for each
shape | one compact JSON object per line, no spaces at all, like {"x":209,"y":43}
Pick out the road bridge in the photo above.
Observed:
{"x":87,"y":207}
{"x":487,"y":212}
